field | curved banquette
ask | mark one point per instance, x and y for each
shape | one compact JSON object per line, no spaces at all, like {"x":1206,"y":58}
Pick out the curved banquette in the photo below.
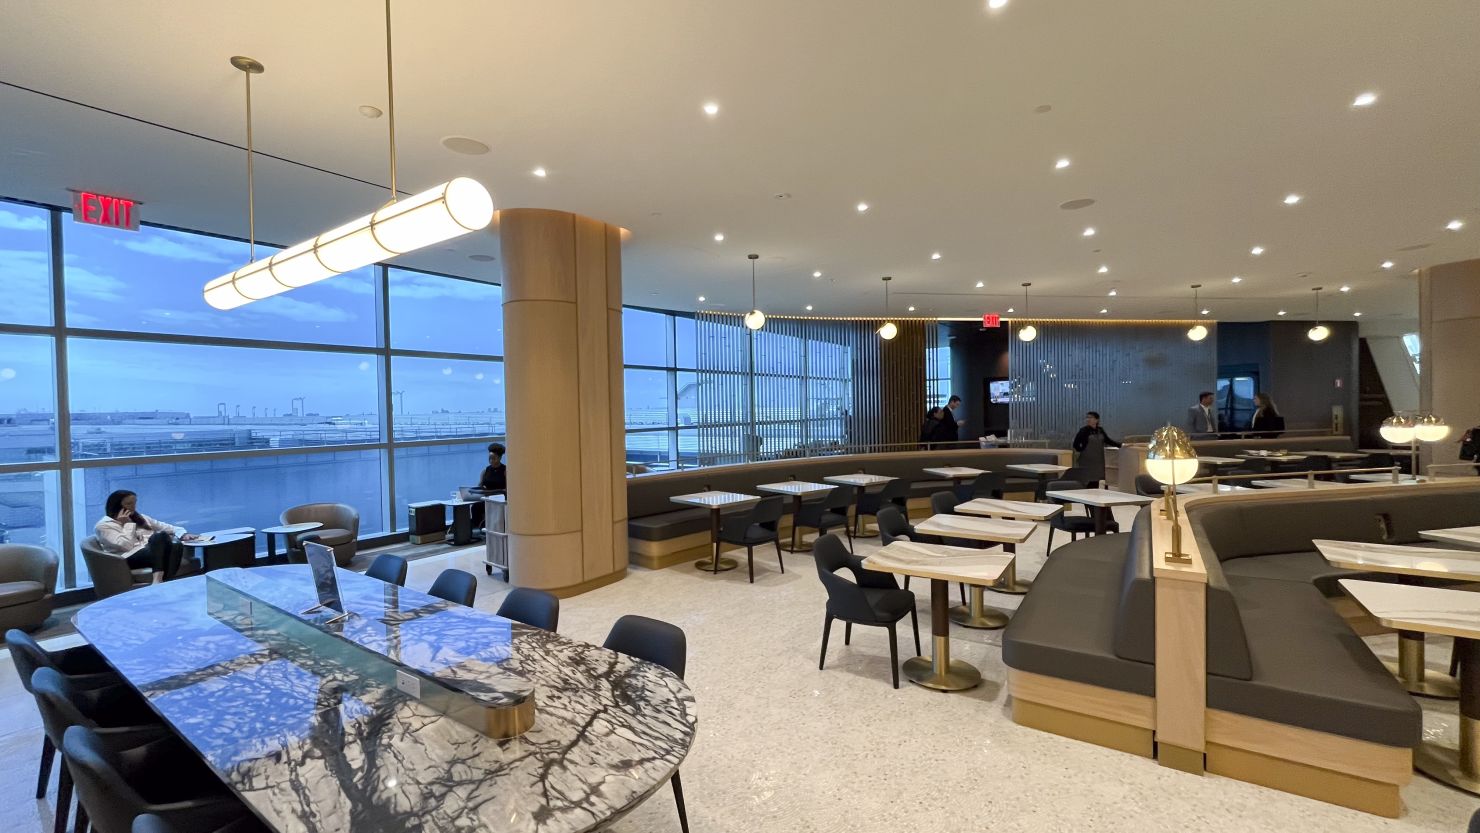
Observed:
{"x":1289,"y":695}
{"x":661,"y":533}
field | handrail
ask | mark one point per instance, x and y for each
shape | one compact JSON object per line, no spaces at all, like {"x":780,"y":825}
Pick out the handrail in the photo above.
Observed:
{"x":1463,"y":465}
{"x":1247,"y":435}
{"x":832,"y":450}
{"x":1309,"y":476}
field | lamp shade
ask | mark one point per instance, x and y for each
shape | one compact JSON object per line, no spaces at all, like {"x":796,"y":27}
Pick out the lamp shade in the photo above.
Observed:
{"x":1197,"y":332}
{"x":1027,"y":333}
{"x":1398,"y":430}
{"x":1170,"y":457}
{"x":1319,"y":332}
{"x":755,"y":319}
{"x":437,"y":214}
{"x":1431,"y":429}
{"x":888,"y":330}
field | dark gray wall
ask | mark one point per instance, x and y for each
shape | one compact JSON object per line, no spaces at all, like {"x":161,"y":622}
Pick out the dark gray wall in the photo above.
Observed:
{"x":978,"y":354}
{"x":1305,"y":378}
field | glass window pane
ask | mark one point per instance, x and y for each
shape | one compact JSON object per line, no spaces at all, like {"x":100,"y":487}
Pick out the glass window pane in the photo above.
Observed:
{"x":688,"y":398}
{"x":688,"y":448}
{"x":135,"y":398}
{"x":647,"y":398}
{"x":30,"y":511}
{"x":448,"y":315}
{"x":25,"y":263}
{"x":446,"y":398}
{"x":685,"y":340}
{"x":644,"y":337}
{"x":150,"y":281}
{"x":28,"y":431}
{"x":434,"y":472}
{"x":252,"y":491}
{"x":649,"y":448}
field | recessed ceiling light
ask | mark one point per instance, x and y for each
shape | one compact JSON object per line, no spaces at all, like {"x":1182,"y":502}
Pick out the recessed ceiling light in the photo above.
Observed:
{"x":482,"y":258}
{"x":996,"y":4}
{"x":1112,"y":293}
{"x":1257,"y":251}
{"x":1237,"y":279}
{"x":1387,"y":264}
{"x":935,"y":256}
{"x":1357,"y":314}
{"x":817,"y":273}
{"x":809,"y":308}
{"x":1291,"y":199}
{"x":701,"y":299}
{"x":464,"y":145}
{"x":1455,"y":225}
{"x":1364,"y":100}
{"x":1281,"y":312}
{"x":1089,"y":232}
{"x":1345,"y":288}
{"x":1062,"y":164}
{"x":862,"y":207}
{"x":370,"y":111}
{"x":980,"y":284}
{"x":1204,"y":312}
{"x":1010,"y":309}
{"x":1103,"y":311}
{"x":1103,"y":269}
{"x":711,"y":109}
{"x":912,"y":309}
{"x":719,"y":237}
{"x":539,"y":172}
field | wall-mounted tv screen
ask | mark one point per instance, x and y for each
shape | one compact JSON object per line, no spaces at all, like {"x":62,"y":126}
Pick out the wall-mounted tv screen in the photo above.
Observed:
{"x":1001,"y":392}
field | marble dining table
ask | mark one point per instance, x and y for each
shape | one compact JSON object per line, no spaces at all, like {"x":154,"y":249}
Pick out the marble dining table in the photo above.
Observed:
{"x":315,"y":737}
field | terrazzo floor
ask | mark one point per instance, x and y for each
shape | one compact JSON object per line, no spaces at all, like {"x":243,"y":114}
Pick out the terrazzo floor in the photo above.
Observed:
{"x":785,"y":747}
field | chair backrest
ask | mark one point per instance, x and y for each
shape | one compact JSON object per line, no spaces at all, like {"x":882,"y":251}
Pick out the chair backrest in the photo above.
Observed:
{"x":768,"y":512}
{"x":892,"y":524}
{"x":896,"y":489}
{"x":27,"y":655}
{"x":110,"y":574}
{"x":28,"y":562}
{"x":535,"y":608}
{"x":844,"y":598}
{"x":455,"y":586}
{"x":111,"y":802}
{"x":1080,"y":475}
{"x":650,"y":639}
{"x":840,"y":497}
{"x":389,"y":568}
{"x":989,"y":484}
{"x":150,"y":823}
{"x":944,"y":503}
{"x":1148,"y":486}
{"x":60,"y":704}
{"x":331,"y":515}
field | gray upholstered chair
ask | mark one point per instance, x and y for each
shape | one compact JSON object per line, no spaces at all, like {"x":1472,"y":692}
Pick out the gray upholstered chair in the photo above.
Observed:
{"x":341,"y":528}
{"x":110,"y":574}
{"x":28,"y":575}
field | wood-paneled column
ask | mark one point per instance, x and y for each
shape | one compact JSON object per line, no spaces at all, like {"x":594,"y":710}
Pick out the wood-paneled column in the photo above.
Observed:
{"x":1449,"y":334}
{"x":567,"y":518}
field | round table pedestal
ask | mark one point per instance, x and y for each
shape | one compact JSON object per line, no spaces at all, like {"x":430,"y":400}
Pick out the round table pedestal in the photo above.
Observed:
{"x":1009,"y":583}
{"x":716,"y":563}
{"x":1459,"y":767}
{"x":977,"y":614}
{"x":1416,"y":679}
{"x":939,"y":671}
{"x":725,"y":564}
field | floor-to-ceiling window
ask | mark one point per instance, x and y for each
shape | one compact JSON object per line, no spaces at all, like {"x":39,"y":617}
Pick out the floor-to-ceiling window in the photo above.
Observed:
{"x":374,"y":388}
{"x":659,"y":386}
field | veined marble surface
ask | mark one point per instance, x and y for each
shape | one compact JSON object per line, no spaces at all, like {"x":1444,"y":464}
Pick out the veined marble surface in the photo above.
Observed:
{"x":986,"y":507}
{"x":1100,"y":497}
{"x":859,"y":479}
{"x":1401,"y":560}
{"x":312,"y":743}
{"x":1465,"y":536}
{"x":977,"y":529}
{"x":1413,"y":608}
{"x":934,"y":561}
{"x":715,"y":500}
{"x":1038,"y":468}
{"x":794,"y":487}
{"x":954,"y":472}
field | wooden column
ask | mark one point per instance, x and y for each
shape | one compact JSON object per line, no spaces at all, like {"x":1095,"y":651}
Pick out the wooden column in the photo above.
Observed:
{"x":563,"y":398}
{"x":1449,"y":331}
{"x":1181,"y":645}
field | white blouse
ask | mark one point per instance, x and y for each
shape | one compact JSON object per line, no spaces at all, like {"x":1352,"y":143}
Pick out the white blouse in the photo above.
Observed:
{"x":123,"y":540}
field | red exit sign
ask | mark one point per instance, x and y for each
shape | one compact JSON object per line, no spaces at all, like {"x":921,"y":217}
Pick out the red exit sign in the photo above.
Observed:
{"x":991,"y":319}
{"x":102,"y":210}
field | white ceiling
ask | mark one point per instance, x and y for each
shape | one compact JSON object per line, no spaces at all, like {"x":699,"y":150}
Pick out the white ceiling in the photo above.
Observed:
{"x":1188,"y":122}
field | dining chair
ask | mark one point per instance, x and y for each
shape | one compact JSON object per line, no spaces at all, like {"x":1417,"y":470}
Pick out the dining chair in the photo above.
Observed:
{"x":872,"y":598}
{"x":457,"y":586}
{"x":663,"y":644}
{"x":535,"y":608}
{"x":828,"y":513}
{"x":163,"y":777}
{"x":82,"y":665}
{"x":893,"y":526}
{"x":895,"y":493}
{"x":389,"y":568}
{"x":751,"y":529}
{"x":1075,"y":525}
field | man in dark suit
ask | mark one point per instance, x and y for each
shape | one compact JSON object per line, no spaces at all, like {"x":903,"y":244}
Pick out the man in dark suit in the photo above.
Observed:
{"x":1202,"y":419}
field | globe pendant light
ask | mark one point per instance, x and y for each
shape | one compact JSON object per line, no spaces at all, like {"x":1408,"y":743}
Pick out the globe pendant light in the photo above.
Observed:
{"x":1027,"y":332}
{"x":1398,"y":430}
{"x":449,"y":210}
{"x":1431,"y":428}
{"x":887,"y":330}
{"x":1320,"y":332}
{"x":1197,"y":332}
{"x":755,"y":319}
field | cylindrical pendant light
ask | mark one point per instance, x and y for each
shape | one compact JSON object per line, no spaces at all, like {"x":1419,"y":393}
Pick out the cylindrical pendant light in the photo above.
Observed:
{"x":1197,"y":332}
{"x":887,"y":330}
{"x":436,"y":214}
{"x":755,"y":319}
{"x":1320,"y":332}
{"x":1028,"y":332}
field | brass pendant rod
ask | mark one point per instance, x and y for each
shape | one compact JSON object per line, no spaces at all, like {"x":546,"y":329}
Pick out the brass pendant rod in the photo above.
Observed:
{"x":251,"y":180}
{"x":390,"y":96}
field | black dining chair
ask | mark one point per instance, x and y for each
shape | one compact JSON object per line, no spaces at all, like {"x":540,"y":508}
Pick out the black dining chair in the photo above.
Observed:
{"x":828,"y":513}
{"x":894,"y":526}
{"x":150,"y":823}
{"x":895,"y":493}
{"x":84,"y":667}
{"x":751,"y":529}
{"x":988,"y":484}
{"x":115,"y":711}
{"x":1075,"y":525}
{"x":163,"y":777}
{"x":390,"y":569}
{"x":871,"y":598}
{"x":456,"y":586}
{"x":535,"y":608}
{"x":660,"y":643}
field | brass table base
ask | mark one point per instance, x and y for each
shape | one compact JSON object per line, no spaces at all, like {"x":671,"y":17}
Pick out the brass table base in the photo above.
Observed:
{"x":1432,"y":684}
{"x":1443,"y":765}
{"x":961,"y":676}
{"x":725,"y":564}
{"x":1009,"y":582}
{"x":977,"y":614}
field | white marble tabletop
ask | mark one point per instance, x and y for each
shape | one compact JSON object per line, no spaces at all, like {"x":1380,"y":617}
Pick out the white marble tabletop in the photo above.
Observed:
{"x":954,"y":472}
{"x":1038,"y":468}
{"x":935,"y":561}
{"x":1403,"y":479}
{"x":977,"y":529}
{"x":1465,"y":536}
{"x":1401,"y":560}
{"x":859,"y":479}
{"x":1207,"y":488}
{"x":715,"y":500}
{"x":797,"y":488}
{"x":1221,"y":461}
{"x":992,"y":508}
{"x":1413,"y":608}
{"x":1341,"y":455}
{"x":1296,"y":483}
{"x":1100,"y":497}
{"x":1279,"y":458}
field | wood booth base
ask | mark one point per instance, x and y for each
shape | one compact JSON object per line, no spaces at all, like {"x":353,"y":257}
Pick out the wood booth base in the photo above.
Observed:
{"x":1102,"y":716}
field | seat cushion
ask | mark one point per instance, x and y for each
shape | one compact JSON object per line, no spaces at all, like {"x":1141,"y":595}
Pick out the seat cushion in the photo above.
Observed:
{"x":333,"y":537}
{"x":665,"y":525}
{"x":1065,"y":627}
{"x":1304,"y":567}
{"x":890,"y":604}
{"x":20,"y":592}
{"x":1311,"y":670}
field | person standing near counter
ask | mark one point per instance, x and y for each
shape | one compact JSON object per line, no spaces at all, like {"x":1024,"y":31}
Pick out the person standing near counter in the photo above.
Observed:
{"x":1089,"y":445}
{"x":138,"y":539}
{"x":1202,"y":420}
{"x":1267,"y":421}
{"x":954,"y":410}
